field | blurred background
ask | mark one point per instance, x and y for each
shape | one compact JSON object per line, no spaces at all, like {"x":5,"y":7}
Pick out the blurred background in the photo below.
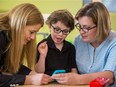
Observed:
{"x":48,"y":6}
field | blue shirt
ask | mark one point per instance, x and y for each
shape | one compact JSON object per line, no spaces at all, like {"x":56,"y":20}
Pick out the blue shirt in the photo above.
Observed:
{"x":90,"y":59}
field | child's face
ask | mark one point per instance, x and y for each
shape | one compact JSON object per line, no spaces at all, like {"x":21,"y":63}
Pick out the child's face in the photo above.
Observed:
{"x":59,"y":32}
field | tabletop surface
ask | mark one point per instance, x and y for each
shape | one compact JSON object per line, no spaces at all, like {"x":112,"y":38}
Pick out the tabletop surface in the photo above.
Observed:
{"x":55,"y":85}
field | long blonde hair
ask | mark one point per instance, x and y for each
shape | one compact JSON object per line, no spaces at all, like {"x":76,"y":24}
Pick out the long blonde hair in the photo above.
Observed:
{"x":15,"y":21}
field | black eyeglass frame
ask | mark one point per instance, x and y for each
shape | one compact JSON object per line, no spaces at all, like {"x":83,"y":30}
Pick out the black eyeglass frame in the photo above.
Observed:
{"x":58,"y":30}
{"x":78,"y":26}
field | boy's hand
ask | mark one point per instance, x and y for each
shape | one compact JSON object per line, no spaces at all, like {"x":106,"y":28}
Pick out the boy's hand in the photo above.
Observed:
{"x":43,"y":48}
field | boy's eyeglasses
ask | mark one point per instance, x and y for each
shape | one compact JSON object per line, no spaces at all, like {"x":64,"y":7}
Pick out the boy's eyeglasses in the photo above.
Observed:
{"x":58,"y":30}
{"x":84,"y":28}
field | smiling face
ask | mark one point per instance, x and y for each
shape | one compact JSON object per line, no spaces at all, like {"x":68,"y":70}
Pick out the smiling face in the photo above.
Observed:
{"x":58,"y":37}
{"x":30,"y":32}
{"x":86,"y":22}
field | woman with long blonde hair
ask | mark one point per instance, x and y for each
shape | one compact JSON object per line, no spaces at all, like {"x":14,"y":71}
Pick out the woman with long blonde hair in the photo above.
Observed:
{"x":18,"y":29}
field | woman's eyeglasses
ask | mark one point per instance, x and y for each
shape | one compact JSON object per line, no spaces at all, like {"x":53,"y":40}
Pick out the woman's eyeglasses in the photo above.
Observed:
{"x":58,"y":30}
{"x":84,"y":28}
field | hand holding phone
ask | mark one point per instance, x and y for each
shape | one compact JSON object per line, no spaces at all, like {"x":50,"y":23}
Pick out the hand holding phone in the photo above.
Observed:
{"x":57,"y":72}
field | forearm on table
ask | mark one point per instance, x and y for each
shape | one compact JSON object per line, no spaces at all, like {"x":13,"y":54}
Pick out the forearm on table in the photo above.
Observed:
{"x":87,"y":78}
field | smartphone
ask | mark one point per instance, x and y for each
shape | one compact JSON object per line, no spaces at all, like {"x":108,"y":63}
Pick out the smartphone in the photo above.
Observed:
{"x":59,"y":71}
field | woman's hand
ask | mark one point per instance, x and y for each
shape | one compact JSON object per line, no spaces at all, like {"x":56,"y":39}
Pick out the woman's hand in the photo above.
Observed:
{"x":32,"y":72}
{"x":66,"y":78}
{"x":38,"y":79}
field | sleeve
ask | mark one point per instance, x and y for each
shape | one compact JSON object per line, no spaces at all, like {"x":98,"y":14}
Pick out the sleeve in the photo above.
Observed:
{"x":3,"y":43}
{"x":111,"y":60}
{"x":111,"y":63}
{"x":6,"y":80}
{"x":73,"y":57}
{"x":24,"y":70}
{"x":76,"y":41}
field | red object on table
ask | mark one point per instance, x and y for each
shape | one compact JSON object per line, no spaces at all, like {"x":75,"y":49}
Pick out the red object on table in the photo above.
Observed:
{"x":100,"y":82}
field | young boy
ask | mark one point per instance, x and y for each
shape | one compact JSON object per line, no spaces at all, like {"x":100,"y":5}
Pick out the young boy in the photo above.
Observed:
{"x":55,"y":53}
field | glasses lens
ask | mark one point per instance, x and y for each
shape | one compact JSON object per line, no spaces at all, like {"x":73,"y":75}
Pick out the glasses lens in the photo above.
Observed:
{"x":57,"y":30}
{"x":77,"y":26}
{"x":65,"y":32}
{"x":85,"y":30}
